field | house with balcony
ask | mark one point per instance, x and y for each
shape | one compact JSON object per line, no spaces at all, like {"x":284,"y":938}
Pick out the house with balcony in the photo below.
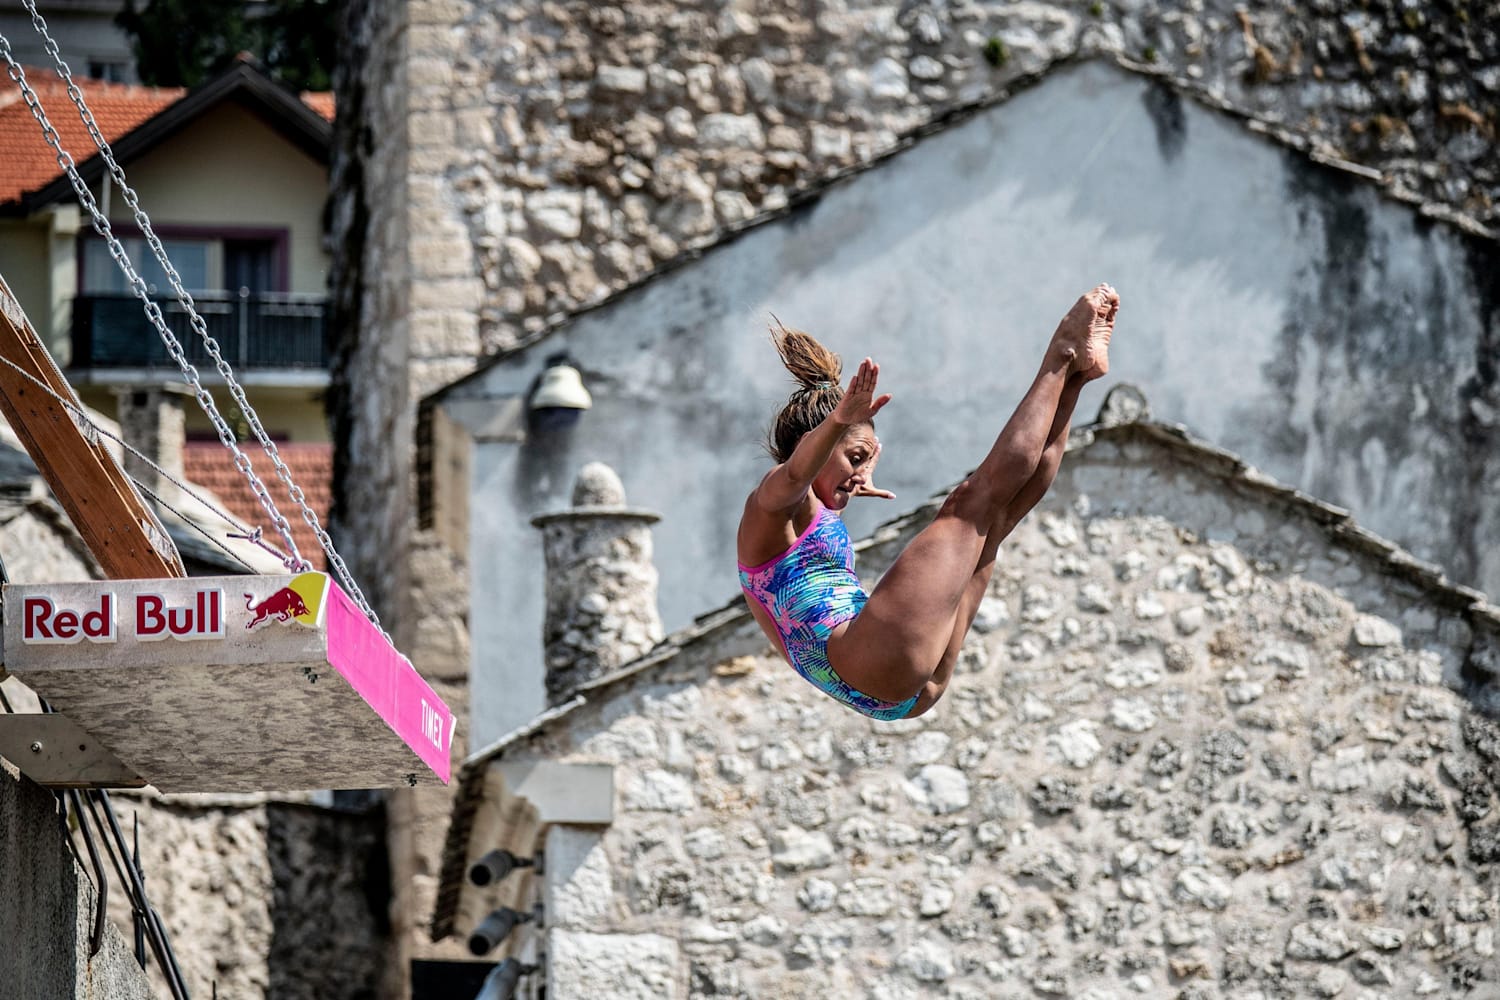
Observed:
{"x":233,"y":176}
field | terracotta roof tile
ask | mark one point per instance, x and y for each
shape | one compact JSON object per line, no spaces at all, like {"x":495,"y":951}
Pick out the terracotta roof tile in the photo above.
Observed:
{"x":320,"y":101}
{"x":211,"y":466}
{"x":28,"y":164}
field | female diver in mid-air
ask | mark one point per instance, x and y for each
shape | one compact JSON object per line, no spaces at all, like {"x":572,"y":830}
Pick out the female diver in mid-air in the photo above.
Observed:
{"x":890,"y":655}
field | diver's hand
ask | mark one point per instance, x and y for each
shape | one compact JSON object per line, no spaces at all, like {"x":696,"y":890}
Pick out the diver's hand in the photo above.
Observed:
{"x":860,"y":404}
{"x":867,"y":488}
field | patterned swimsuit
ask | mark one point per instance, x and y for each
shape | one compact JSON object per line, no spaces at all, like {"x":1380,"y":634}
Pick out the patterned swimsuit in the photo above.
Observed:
{"x":808,"y":591}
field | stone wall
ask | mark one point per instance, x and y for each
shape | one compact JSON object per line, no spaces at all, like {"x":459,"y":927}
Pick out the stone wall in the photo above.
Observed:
{"x":600,"y":141}
{"x":47,"y":910}
{"x":1196,"y":747}
{"x":154,"y":421}
{"x":418,"y":817}
{"x":40,"y":543}
{"x":263,"y":897}
{"x":368,"y":402}
{"x":403,"y":323}
{"x":499,"y":166}
{"x":948,"y":264}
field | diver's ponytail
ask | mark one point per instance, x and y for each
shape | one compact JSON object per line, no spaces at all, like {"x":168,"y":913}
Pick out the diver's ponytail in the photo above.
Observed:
{"x":816,"y":370}
{"x":814,"y":366}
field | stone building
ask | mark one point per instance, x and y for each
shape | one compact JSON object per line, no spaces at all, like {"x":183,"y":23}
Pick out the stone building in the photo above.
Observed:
{"x":502,"y":169}
{"x":1209,"y":738}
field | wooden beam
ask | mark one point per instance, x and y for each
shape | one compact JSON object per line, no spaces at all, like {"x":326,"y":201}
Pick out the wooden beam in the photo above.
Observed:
{"x":116,"y":525}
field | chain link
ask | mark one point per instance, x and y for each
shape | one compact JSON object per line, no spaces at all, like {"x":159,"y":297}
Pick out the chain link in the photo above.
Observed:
{"x":153,"y":313}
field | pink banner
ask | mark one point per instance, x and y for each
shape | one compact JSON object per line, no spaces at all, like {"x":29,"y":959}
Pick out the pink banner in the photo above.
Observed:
{"x":389,"y":682}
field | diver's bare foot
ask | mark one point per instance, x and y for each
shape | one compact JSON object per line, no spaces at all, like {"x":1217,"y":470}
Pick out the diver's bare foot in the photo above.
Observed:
{"x":1083,"y":335}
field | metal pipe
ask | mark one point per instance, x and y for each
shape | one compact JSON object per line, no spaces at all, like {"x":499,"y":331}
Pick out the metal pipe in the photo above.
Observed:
{"x":495,"y":865}
{"x":101,"y":881}
{"x":495,"y":928}
{"x":501,"y":983}
{"x":135,"y":907}
{"x":134,"y":882}
{"x":135,"y":914}
{"x":63,"y":826}
{"x":160,"y":943}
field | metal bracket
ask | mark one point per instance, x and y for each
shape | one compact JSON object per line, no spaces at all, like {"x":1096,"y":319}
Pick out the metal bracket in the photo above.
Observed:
{"x":54,"y":752}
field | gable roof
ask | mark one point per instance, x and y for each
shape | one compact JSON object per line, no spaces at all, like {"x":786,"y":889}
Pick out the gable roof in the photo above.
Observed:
{"x":133,"y":119}
{"x":806,"y":196}
{"x":1172,"y":439}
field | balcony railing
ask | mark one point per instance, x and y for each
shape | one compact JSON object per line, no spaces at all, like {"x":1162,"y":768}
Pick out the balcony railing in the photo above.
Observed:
{"x":257,"y":331}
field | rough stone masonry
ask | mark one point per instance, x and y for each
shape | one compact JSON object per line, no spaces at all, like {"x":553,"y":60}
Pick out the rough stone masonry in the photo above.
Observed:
{"x":1196,"y":748}
{"x":499,"y":166}
{"x":580,"y":145}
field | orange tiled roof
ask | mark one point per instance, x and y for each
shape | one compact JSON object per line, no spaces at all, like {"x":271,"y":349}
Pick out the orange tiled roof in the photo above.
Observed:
{"x":211,"y":465}
{"x":28,"y":164}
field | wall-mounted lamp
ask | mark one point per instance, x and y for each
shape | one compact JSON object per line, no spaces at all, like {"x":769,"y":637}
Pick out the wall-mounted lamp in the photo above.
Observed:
{"x":501,"y":983}
{"x":558,"y":396}
{"x":495,"y":865}
{"x":496,"y":928}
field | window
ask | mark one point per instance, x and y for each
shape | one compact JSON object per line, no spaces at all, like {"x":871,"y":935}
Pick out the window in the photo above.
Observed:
{"x":194,"y":260}
{"x":115,"y":72}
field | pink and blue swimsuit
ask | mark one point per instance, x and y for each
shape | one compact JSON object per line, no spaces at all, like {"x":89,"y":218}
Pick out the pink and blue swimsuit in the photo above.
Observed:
{"x":808,"y":591}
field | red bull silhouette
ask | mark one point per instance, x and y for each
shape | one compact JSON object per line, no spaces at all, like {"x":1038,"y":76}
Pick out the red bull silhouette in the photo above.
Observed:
{"x":285,"y":604}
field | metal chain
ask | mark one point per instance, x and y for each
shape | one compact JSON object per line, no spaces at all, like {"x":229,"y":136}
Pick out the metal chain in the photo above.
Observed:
{"x":138,"y":284}
{"x":199,"y":326}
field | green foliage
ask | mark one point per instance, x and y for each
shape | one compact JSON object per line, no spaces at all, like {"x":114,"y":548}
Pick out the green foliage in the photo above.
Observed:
{"x":182,"y":43}
{"x":1096,"y":9}
{"x":995,"y":52}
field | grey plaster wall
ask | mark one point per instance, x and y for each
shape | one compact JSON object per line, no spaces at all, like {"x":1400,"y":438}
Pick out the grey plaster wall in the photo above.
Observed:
{"x":47,"y":911}
{"x":1284,"y":310}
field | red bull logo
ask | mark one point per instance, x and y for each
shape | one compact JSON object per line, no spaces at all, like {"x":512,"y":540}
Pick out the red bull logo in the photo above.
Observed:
{"x":300,"y":600}
{"x":285,"y":604}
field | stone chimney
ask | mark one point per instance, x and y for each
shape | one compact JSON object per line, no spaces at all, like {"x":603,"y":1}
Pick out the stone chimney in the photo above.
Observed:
{"x":152,"y":421}
{"x":601,"y":583}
